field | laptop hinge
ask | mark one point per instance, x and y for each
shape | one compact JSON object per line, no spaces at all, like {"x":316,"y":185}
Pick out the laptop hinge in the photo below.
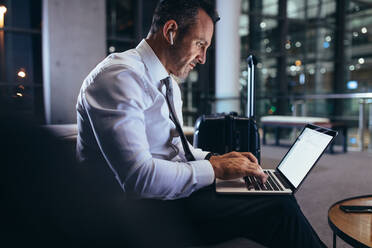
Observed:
{"x":286,"y":183}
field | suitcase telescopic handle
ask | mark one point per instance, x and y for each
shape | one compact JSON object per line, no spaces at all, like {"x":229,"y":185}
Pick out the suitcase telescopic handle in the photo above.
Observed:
{"x":251,"y":61}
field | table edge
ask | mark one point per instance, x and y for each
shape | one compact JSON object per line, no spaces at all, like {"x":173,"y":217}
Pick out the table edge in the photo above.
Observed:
{"x":340,"y":233}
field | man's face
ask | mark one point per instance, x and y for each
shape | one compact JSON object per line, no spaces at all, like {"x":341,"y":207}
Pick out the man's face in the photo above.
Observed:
{"x":191,"y":49}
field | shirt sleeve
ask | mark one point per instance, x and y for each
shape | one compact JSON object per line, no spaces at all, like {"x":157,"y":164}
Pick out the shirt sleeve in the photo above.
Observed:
{"x":115,"y":105}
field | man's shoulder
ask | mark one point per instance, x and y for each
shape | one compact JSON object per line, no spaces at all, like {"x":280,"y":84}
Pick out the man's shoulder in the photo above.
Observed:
{"x":129,"y":60}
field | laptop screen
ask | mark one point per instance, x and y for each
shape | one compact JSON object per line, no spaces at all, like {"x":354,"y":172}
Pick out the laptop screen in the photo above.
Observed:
{"x":304,"y":153}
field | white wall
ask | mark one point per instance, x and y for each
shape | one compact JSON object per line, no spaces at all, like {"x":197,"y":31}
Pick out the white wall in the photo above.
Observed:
{"x":228,"y":55}
{"x":74,"y":41}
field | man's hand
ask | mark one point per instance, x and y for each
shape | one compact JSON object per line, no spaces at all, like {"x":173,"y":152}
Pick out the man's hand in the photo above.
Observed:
{"x":236,"y":165}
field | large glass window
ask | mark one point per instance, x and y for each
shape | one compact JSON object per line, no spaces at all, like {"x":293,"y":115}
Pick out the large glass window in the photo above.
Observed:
{"x":307,"y":48}
{"x":128,"y":22}
{"x":20,"y":58}
{"x":120,"y":25}
{"x":358,"y":44}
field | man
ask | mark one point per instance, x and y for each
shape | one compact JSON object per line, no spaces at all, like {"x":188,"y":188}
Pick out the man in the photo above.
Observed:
{"x":127,"y":121}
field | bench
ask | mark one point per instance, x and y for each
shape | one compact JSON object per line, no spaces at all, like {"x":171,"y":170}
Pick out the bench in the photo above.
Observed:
{"x":67,"y":134}
{"x":278,"y":122}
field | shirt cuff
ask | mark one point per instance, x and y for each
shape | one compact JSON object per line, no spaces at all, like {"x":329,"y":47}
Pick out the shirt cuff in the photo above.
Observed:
{"x":199,"y":154}
{"x":204,"y":172}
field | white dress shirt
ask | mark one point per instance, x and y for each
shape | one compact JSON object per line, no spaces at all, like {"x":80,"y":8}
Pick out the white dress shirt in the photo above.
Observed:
{"x":122,"y":114}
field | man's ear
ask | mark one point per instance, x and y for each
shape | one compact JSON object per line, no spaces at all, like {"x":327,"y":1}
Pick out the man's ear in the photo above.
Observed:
{"x":170,"y":31}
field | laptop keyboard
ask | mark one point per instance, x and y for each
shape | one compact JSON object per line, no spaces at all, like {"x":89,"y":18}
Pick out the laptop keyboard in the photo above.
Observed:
{"x":270,"y":185}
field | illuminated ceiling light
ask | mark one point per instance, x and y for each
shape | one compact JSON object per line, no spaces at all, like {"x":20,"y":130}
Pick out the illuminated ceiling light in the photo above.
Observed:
{"x":355,"y":34}
{"x":351,"y":67}
{"x":112,"y":49}
{"x":264,"y":71}
{"x":268,"y":49}
{"x":298,"y":44}
{"x":19,"y":94}
{"x":288,"y":45}
{"x":328,"y":38}
{"x":312,"y":71}
{"x":2,"y":13}
{"x":323,"y":70}
{"x":2,"y":10}
{"x":266,"y":41}
{"x":361,"y":61}
{"x":302,"y":78}
{"x":21,"y":74}
{"x":259,"y":65}
{"x":263,"y":25}
{"x":352,"y":85}
{"x":293,"y":68}
{"x":364,"y":30}
{"x":298,"y":63}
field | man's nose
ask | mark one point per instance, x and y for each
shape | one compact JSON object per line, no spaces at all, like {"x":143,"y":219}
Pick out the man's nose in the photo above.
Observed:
{"x":202,"y":57}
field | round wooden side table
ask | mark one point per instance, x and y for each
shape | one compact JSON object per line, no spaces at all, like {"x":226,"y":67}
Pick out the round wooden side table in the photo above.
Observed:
{"x":353,"y":228}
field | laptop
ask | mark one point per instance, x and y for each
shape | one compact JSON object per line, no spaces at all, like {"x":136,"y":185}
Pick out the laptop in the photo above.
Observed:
{"x":292,"y":169}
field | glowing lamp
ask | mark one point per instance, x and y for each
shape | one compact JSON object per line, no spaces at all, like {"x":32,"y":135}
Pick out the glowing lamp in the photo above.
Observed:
{"x":21,"y":74}
{"x":2,"y":13}
{"x":352,"y":85}
{"x":2,"y":10}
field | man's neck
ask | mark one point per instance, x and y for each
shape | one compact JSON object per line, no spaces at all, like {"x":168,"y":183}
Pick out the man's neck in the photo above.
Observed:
{"x":159,"y":47}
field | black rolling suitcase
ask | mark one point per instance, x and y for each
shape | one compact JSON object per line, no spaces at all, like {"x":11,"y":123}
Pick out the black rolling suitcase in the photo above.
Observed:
{"x":222,"y":133}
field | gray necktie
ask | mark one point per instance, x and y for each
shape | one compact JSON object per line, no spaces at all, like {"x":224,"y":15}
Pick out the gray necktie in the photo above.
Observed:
{"x":169,"y":97}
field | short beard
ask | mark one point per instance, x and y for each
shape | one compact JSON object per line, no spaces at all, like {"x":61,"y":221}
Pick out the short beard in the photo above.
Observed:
{"x":179,"y":80}
{"x":174,"y":54}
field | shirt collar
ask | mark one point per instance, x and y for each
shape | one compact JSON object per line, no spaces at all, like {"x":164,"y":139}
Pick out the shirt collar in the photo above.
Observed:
{"x":153,"y":65}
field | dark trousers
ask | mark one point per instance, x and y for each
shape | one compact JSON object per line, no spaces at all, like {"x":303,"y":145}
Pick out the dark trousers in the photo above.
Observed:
{"x":207,"y":218}
{"x":99,"y":216}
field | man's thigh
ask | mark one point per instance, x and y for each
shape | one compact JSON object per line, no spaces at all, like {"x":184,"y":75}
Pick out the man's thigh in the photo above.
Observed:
{"x":206,"y":218}
{"x":222,"y":217}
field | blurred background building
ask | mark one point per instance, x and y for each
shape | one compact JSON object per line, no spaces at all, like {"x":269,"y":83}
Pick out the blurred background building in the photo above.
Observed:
{"x":314,"y":56}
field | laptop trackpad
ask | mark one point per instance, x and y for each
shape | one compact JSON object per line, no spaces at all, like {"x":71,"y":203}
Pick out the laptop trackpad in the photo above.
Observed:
{"x":234,"y":183}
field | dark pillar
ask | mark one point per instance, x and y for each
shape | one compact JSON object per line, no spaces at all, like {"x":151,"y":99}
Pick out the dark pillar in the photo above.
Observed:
{"x":254,"y":40}
{"x":2,"y":56}
{"x":206,"y":81}
{"x":138,"y":22}
{"x":339,"y":78}
{"x":8,"y":56}
{"x":282,"y":59}
{"x":255,"y":18}
{"x":148,"y":10}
